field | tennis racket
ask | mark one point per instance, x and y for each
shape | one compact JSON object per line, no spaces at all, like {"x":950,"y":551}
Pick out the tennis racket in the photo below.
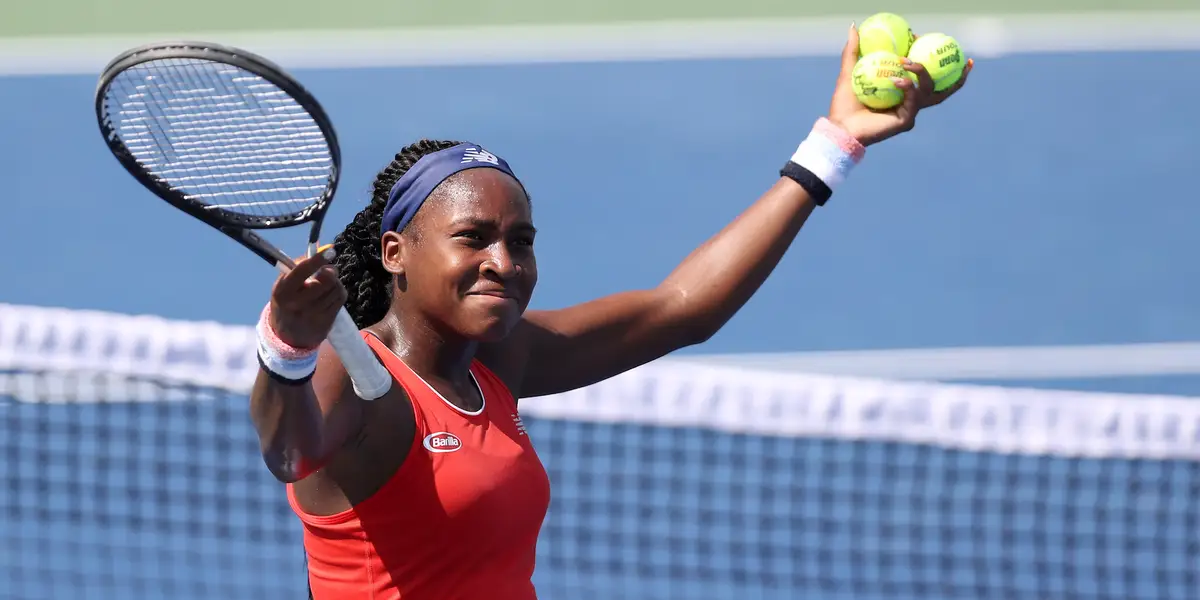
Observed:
{"x":232,"y":140}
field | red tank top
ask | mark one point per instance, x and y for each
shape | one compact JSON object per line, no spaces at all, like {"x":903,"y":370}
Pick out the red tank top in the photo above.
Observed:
{"x":460,"y":517}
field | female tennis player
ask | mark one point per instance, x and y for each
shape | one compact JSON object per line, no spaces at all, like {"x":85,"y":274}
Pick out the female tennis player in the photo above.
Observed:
{"x":434,"y":492}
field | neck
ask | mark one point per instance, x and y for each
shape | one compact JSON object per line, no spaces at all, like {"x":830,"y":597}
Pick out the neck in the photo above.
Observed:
{"x":427,"y":351}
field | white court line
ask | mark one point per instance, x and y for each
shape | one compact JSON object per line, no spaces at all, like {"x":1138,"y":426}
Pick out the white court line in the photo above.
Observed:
{"x":981,"y":35}
{"x":985,"y":363}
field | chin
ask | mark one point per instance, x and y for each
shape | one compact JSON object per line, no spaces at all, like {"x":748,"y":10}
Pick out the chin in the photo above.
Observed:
{"x":493,"y":328}
{"x":492,"y":334}
{"x":487,"y":320}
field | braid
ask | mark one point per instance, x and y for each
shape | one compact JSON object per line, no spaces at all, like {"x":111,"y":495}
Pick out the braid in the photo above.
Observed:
{"x":359,"y":263}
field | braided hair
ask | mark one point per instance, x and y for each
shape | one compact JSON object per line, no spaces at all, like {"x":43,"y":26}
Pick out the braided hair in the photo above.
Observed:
{"x":359,"y":263}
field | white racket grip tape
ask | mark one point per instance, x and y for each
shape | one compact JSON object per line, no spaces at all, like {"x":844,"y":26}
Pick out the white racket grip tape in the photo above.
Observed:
{"x":371,"y":380}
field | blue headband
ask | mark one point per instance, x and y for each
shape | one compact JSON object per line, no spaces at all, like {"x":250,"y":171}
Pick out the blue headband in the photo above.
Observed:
{"x":431,"y":170}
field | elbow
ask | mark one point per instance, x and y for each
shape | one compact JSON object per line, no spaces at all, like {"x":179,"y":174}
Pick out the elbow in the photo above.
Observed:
{"x":695,"y":322}
{"x":285,"y":476}
{"x":698,"y":332}
{"x":287,"y":467}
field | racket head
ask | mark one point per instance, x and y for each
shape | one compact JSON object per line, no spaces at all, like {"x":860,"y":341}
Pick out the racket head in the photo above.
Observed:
{"x":249,"y":147}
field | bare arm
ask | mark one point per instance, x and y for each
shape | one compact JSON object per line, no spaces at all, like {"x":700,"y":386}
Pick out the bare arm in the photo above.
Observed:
{"x":555,"y":351}
{"x":583,"y":344}
{"x":300,"y":426}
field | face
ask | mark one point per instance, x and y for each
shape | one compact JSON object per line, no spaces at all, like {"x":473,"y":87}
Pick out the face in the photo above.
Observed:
{"x":466,"y":260}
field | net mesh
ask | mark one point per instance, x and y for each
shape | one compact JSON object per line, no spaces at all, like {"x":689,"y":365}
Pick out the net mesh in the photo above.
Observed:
{"x":221,"y":135}
{"x":668,"y":482}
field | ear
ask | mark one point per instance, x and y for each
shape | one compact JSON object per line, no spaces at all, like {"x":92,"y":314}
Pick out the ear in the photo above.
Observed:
{"x":394,"y":251}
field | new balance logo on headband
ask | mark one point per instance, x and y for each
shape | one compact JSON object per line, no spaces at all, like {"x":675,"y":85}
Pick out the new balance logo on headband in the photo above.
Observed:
{"x":411,"y":190}
{"x":479,"y":155}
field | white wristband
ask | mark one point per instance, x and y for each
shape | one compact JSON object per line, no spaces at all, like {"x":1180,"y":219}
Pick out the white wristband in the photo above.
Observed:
{"x":280,"y":359}
{"x":829,"y":153}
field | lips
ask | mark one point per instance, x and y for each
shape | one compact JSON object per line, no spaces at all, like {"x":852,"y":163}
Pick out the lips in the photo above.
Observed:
{"x":499,"y":294}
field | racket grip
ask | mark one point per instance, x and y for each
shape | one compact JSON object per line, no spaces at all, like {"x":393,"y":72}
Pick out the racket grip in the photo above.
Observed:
{"x":371,"y":380}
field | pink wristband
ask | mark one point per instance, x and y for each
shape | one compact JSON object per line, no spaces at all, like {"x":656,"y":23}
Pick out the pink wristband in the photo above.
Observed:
{"x":841,"y":137}
{"x":279,"y":357}
{"x":829,"y":153}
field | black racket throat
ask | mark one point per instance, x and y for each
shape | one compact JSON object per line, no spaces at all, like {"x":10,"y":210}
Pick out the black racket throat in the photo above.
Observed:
{"x":264,"y":248}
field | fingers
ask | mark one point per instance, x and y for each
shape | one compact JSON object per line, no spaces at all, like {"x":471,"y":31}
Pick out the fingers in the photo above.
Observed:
{"x":305,"y":300}
{"x":310,"y":295}
{"x":313,"y":284}
{"x":961,"y":80}
{"x":850,"y":53}
{"x":924,"y":79}
{"x":940,"y":97}
{"x":330,"y":295}
{"x":305,"y":268}
{"x":333,"y":291}
{"x":907,"y":111}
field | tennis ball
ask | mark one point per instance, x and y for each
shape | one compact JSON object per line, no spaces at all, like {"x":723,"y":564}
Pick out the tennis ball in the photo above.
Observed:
{"x":884,"y":31}
{"x":872,"y":80}
{"x":941,"y":56}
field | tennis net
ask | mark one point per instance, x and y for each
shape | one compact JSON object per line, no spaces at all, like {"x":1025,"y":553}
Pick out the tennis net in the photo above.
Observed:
{"x":131,"y":470}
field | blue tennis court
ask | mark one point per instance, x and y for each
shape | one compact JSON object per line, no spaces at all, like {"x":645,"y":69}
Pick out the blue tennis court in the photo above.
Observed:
{"x":1049,"y":204}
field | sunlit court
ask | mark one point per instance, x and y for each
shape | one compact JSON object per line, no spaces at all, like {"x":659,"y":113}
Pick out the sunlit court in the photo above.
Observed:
{"x":974,"y":375}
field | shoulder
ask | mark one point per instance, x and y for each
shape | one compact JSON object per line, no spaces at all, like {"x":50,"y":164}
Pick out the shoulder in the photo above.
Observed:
{"x":367,"y":439}
{"x":339,"y":401}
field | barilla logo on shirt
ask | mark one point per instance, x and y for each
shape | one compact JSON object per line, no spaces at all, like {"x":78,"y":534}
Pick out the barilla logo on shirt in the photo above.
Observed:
{"x":442,"y":441}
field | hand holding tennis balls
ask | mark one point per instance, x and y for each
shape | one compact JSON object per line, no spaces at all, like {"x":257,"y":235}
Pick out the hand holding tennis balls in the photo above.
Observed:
{"x":871,"y":126}
{"x":874,"y":78}
{"x":941,"y":55}
{"x":885,"y":38}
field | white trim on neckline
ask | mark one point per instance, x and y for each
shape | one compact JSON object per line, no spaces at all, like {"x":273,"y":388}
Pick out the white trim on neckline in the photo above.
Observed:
{"x":482,"y":396}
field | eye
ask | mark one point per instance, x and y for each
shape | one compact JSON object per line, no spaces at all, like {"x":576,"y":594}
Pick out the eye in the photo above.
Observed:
{"x":470,"y":234}
{"x":524,"y":240}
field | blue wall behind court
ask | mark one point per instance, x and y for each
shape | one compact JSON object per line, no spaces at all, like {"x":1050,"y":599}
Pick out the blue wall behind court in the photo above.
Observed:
{"x":1048,"y":204}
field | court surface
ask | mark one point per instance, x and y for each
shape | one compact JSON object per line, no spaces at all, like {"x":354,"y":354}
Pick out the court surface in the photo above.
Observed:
{"x":1049,"y":204}
{"x":1052,"y":203}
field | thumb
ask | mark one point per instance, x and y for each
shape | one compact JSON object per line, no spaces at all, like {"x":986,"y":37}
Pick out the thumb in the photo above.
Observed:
{"x":306,"y":267}
{"x":907,"y":111}
{"x":850,"y":52}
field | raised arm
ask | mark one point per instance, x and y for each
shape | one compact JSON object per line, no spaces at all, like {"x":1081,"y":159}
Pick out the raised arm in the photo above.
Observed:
{"x":577,"y":346}
{"x":583,"y":344}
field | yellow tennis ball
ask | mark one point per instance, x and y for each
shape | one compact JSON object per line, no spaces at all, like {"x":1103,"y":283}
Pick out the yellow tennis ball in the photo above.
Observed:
{"x":872,"y":80}
{"x":884,"y":31}
{"x":941,"y":55}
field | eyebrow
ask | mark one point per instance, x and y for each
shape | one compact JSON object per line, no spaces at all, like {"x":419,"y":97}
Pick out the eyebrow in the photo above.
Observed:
{"x":490,"y":224}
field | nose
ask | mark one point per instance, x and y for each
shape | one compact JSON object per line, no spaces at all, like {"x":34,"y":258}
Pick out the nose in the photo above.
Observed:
{"x":500,"y":263}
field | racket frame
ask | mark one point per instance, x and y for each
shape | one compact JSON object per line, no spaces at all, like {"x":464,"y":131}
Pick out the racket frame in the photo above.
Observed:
{"x":371,"y":380}
{"x":235,"y":225}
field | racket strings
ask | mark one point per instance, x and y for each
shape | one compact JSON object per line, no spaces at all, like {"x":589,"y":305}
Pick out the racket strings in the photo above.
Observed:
{"x":222,"y":136}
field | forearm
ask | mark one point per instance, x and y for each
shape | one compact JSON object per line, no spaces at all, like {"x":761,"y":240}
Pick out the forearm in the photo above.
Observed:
{"x":576,"y":346}
{"x":289,"y":423}
{"x":720,"y":276}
